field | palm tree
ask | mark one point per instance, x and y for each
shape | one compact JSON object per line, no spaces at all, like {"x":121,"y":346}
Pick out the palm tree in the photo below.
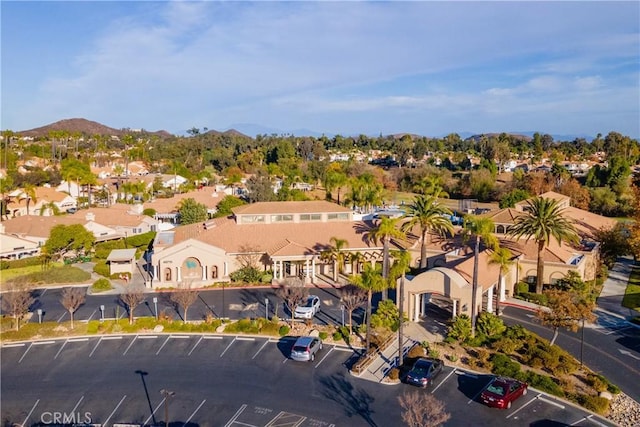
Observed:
{"x":385,"y":230}
{"x":503,"y":258}
{"x":543,"y":220}
{"x":356,"y":258}
{"x":371,"y":281}
{"x":426,"y":212}
{"x":336,"y":254}
{"x":480,"y":229}
{"x":30,"y":193}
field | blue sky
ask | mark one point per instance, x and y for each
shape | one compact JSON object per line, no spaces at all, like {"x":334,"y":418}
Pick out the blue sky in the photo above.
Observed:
{"x":429,"y":68}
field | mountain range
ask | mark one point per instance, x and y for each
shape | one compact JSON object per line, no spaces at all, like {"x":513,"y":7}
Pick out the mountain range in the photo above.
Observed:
{"x":88,"y":127}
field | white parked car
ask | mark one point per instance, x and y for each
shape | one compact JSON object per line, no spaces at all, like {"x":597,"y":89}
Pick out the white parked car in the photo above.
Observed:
{"x":308,"y":309}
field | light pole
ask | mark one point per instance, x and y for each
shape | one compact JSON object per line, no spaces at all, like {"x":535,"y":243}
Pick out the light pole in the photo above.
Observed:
{"x":582,"y":342}
{"x":167,"y":394}
{"x":102,"y":313}
{"x":342,"y":311}
{"x":39,"y":311}
{"x":266,"y":308}
{"x":400,"y":318}
{"x":223,"y":308}
{"x":155,"y":306}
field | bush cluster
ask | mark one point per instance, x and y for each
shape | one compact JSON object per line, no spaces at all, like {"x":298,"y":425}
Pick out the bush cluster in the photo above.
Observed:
{"x":63,"y":274}
{"x":19,"y":263}
{"x":101,"y":285}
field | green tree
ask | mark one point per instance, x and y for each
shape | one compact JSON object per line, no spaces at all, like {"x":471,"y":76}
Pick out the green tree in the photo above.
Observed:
{"x":191,"y":211}
{"x":510,"y":199}
{"x":503,"y":258}
{"x":614,"y":242}
{"x":30,"y":194}
{"x":429,"y":215}
{"x":385,"y":230}
{"x":224,"y":208}
{"x":371,"y":281}
{"x":543,"y":220}
{"x":335,"y":180}
{"x":480,"y":229}
{"x":67,"y":238}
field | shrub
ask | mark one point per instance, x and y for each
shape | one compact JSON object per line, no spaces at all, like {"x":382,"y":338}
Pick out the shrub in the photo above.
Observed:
{"x":141,"y":240}
{"x":337,"y":336}
{"x":19,"y":263}
{"x":506,"y":345}
{"x":489,"y":324}
{"x":266,"y":278}
{"x":504,"y":366}
{"x":4,"y":265}
{"x":284,"y":330}
{"x":542,"y":382}
{"x":597,"y":382}
{"x":149,"y":212}
{"x":596,"y":404}
{"x":394,"y":374}
{"x":540,"y":299}
{"x":101,"y":285}
{"x":246,"y":275}
{"x":416,"y":351}
{"x":521,"y":287}
{"x":323,"y":335}
{"x":460,"y":328}
{"x":453,"y":357}
{"x":433,"y":353}
{"x":386,"y":316}
{"x":64,"y":274}
{"x":101,"y":268}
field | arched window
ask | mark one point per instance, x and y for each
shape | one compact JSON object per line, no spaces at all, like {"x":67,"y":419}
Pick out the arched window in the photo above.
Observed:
{"x":167,"y":274}
{"x":500,"y":229}
{"x":214,"y":272}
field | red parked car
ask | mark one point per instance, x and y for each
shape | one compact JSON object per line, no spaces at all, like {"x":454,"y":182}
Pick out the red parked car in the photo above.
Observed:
{"x":501,"y":392}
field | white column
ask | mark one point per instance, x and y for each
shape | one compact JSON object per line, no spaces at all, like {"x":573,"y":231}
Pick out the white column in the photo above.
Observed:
{"x":204,"y":272}
{"x":306,"y":268}
{"x":424,"y":302}
{"x":490,"y":299}
{"x":416,"y":307}
{"x":226,"y":269}
{"x":313,"y":269}
{"x":179,"y":274}
{"x":502,"y":295}
{"x":455,"y":309}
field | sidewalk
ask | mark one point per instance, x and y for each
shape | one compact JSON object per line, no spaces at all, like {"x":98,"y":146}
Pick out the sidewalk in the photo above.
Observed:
{"x":613,"y":289}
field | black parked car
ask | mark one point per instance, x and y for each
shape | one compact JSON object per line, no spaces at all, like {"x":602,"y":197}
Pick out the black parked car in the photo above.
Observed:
{"x":424,"y":371}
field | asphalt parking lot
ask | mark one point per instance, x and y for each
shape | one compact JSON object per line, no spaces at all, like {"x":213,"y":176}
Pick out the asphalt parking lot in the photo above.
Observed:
{"x":212,"y":380}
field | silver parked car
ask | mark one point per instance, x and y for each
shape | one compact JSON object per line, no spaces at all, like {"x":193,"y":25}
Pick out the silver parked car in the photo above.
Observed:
{"x":305,"y":349}
{"x":309,"y":309}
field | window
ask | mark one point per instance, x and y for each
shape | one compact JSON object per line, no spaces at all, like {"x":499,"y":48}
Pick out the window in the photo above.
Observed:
{"x":281,"y":218}
{"x":167,"y":274}
{"x":337,"y":216}
{"x":310,"y":217}
{"x":250,"y":219}
{"x":214,"y":272}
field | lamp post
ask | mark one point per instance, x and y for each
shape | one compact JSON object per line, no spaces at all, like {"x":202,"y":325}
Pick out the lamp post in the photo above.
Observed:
{"x":155,"y":306}
{"x":167,"y":394}
{"x":342,"y":312}
{"x":102,"y":313}
{"x":400,"y":318}
{"x":266,"y":308}
{"x":39,"y":311}
{"x":582,"y":342}
{"x":223,"y":308}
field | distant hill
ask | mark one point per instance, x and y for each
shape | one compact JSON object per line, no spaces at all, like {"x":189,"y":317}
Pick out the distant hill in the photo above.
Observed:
{"x":477,"y":138}
{"x":84,"y":127}
{"x":231,"y":132}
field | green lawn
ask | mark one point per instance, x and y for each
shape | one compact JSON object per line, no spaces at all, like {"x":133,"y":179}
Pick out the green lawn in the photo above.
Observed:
{"x":632,"y":294}
{"x":23,"y":271}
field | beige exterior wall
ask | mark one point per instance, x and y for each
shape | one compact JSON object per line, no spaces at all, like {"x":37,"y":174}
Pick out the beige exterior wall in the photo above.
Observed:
{"x":116,"y":267}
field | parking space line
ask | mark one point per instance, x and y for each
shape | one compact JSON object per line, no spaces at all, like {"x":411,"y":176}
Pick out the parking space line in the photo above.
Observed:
{"x":13,"y":345}
{"x":91,"y":317}
{"x":263,"y":345}
{"x":523,"y":406}
{"x":544,"y":399}
{"x":325,"y":356}
{"x":165,"y":341}
{"x":180,"y":337}
{"x":114,"y":410}
{"x":62,"y":317}
{"x":78,"y":339}
{"x":73,"y":411}
{"x":481,"y":390}
{"x":24,"y":423}
{"x":580,"y":420}
{"x":147,"y":337}
{"x":225,"y":350}
{"x":117,"y":337}
{"x":283,"y":414}
{"x":212,"y":337}
{"x":25,"y":353}
{"x":598,"y":423}
{"x":61,"y":347}
{"x":348,"y":350}
{"x":443,"y":381}
{"x":96,"y":346}
{"x":245,"y":339}
{"x":130,"y":344}
{"x":194,"y":412}
{"x":154,"y":411}
{"x":236,"y":415}
{"x":195,"y":345}
{"x":43,"y":342}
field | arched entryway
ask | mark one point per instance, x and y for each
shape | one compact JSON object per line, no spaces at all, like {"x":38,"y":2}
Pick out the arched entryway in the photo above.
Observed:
{"x":191,"y":269}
